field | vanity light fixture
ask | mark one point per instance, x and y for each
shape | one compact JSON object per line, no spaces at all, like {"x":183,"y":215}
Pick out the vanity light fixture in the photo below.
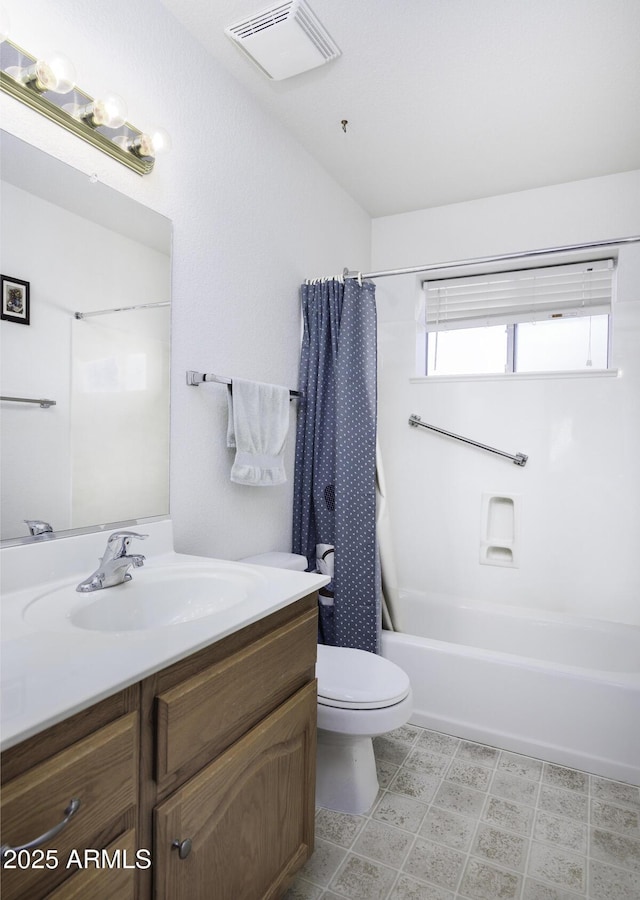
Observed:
{"x":47,"y":85}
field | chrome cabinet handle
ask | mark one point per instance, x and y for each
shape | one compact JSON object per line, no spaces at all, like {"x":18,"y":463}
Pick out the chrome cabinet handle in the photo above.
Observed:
{"x":183,"y":847}
{"x":45,"y":838}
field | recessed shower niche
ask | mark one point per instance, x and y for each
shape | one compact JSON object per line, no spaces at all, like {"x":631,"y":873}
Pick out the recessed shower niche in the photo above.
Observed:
{"x":500,"y":530}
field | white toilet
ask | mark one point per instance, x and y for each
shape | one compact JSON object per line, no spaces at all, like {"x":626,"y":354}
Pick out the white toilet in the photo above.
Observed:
{"x":360,"y":695}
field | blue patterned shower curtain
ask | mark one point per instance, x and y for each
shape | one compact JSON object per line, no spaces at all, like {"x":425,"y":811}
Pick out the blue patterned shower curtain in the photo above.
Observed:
{"x":334,"y":488}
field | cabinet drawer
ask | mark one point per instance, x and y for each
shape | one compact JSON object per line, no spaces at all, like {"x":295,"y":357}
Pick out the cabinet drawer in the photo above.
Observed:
{"x":101,"y":772}
{"x":119,"y":881}
{"x":199,"y":718}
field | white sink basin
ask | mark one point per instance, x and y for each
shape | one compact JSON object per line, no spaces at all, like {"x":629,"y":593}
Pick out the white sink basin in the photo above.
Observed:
{"x":154,"y":598}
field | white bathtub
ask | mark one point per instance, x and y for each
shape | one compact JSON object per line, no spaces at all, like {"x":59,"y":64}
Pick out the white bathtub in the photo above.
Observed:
{"x":549,"y":685}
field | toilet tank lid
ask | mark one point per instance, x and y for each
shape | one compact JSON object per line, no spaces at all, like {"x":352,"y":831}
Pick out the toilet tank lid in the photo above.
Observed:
{"x":278,"y":560}
{"x":359,"y":678}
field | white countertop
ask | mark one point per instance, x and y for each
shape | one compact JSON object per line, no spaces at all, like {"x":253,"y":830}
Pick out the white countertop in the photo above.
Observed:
{"x":50,"y":672}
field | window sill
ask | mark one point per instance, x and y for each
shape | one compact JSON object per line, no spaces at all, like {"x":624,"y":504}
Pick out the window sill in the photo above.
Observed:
{"x":518,"y":376}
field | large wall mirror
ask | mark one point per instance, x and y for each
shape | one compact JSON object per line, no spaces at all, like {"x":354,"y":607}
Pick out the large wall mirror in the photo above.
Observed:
{"x":68,"y":245}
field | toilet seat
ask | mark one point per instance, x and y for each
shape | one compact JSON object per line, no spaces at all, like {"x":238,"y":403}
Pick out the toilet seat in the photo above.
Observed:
{"x":355,"y":679}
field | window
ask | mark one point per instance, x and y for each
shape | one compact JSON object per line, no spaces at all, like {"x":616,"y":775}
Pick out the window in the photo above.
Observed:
{"x":467,"y":351}
{"x":532,"y":320}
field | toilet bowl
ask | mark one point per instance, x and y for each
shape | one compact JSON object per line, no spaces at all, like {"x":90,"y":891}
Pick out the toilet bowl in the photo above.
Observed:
{"x":360,"y":696}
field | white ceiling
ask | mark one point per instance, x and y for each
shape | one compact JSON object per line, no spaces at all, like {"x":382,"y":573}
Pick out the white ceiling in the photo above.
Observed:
{"x":452,"y":100}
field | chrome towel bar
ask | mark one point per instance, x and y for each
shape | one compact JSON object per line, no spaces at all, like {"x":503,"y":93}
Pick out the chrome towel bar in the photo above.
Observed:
{"x":520,"y":459}
{"x":196,"y":378}
{"x":44,"y":404}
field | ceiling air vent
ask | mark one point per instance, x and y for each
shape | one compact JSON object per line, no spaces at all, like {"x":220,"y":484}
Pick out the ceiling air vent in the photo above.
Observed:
{"x":284,"y":40}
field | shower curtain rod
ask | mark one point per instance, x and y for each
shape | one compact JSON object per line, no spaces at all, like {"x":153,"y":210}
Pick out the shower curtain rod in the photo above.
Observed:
{"x":104,"y":312}
{"x":500,"y":257}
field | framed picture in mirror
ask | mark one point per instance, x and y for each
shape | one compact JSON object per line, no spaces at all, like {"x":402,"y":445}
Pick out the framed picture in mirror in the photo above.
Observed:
{"x":15,"y":300}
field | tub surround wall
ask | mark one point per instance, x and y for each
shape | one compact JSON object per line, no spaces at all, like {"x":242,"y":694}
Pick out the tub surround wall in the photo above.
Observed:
{"x":577,"y":519}
{"x":253,"y":216}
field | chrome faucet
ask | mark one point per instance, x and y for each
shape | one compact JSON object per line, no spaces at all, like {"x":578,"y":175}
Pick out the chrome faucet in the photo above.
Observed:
{"x":115,"y":564}
{"x":38,"y":528}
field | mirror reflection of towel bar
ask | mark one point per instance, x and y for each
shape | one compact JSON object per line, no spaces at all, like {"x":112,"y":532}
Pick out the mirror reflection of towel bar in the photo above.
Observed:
{"x":520,"y":459}
{"x":196,"y":378}
{"x":43,"y":404}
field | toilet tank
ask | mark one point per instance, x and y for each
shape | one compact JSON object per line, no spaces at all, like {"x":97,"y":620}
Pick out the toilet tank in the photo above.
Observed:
{"x":278,"y":560}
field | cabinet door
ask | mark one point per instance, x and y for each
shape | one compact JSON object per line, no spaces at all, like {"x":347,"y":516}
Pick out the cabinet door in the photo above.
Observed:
{"x":249,"y":815}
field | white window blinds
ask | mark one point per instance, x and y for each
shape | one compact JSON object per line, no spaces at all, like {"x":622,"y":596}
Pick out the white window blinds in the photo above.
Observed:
{"x":525,"y":295}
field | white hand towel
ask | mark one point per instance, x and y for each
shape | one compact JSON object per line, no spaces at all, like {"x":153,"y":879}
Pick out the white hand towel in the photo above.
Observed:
{"x":258,"y":426}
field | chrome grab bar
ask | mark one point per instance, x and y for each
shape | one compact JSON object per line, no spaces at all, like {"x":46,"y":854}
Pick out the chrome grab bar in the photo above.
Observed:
{"x":520,"y":459}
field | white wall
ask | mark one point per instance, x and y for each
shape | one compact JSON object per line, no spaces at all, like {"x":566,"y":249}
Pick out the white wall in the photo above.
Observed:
{"x":253,"y":216}
{"x":580,"y":490}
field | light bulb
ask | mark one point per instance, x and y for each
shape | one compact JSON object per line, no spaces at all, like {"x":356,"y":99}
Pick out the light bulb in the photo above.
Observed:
{"x":115,"y":111}
{"x":160,"y":141}
{"x":141,"y":147}
{"x":62,"y":70}
{"x":147,"y":145}
{"x":53,"y":72}
{"x":111,"y":112}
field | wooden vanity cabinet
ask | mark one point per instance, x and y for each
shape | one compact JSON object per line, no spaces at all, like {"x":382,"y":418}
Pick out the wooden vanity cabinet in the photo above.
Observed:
{"x":207,"y":767}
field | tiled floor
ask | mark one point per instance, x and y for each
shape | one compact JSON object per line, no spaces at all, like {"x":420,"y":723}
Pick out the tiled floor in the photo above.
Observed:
{"x":455,"y":819}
